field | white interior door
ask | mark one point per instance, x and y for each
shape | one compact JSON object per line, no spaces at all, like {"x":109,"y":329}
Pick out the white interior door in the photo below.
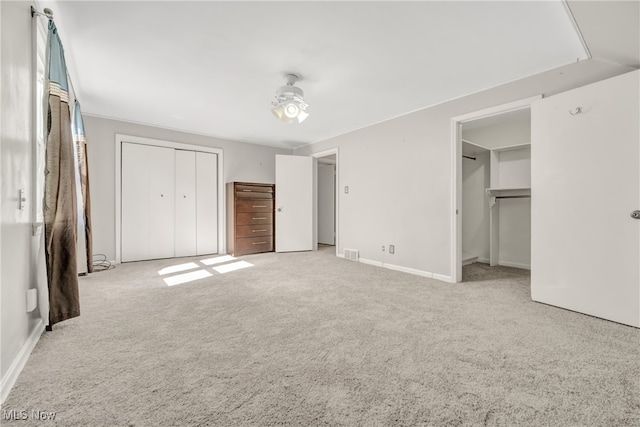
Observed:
{"x":185,"y":226}
{"x":585,"y":246}
{"x":207,"y":203}
{"x":295,"y":203}
{"x":326,"y":203}
{"x":161,"y":169}
{"x":147,"y":202}
{"x":135,"y":203}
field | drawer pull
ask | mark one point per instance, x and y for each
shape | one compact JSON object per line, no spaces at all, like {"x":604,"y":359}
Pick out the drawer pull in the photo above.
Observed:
{"x":258,"y":243}
{"x":257,"y":231}
{"x":258,"y":218}
{"x":259,"y":206}
{"x":247,"y":190}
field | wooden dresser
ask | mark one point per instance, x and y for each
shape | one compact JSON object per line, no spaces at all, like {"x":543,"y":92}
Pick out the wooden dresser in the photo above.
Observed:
{"x":250,"y":220}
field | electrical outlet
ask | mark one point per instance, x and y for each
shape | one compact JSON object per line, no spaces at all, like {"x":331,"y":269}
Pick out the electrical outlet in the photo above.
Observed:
{"x":346,"y":189}
{"x":382,"y":248}
{"x":392,"y":249}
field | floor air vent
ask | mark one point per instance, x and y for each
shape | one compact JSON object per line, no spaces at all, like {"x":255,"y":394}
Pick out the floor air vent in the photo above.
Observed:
{"x":351,"y":254}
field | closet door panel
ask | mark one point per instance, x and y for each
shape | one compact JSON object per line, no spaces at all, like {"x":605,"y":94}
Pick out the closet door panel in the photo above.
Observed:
{"x":135,"y":202}
{"x":161,"y":202}
{"x":185,"y":223}
{"x":207,"y":203}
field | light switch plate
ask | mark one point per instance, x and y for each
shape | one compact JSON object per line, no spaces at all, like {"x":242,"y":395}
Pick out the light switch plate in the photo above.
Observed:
{"x":21,"y":199}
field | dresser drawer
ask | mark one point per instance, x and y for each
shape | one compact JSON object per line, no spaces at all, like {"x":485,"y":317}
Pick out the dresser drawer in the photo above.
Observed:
{"x":253,"y":195}
{"x":250,"y":245}
{"x":254,"y":191}
{"x":244,"y":205}
{"x":254,"y":230}
{"x":247,"y":218}
{"x":254,"y":188}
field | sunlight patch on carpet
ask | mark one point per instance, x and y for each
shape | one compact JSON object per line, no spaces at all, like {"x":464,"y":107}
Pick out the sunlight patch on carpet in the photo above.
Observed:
{"x":177,"y":268}
{"x":222,"y":269}
{"x":217,"y":260}
{"x":186,"y":277}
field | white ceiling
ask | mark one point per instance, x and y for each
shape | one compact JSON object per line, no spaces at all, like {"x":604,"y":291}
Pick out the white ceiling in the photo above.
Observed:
{"x":212,"y":67}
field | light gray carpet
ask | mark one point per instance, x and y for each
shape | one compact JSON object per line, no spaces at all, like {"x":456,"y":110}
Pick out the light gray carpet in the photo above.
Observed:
{"x":311,"y":339}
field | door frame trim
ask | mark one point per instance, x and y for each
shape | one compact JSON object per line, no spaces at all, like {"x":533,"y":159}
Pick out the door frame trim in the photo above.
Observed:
{"x":325,"y":153}
{"x":121,"y":138}
{"x":456,"y":173}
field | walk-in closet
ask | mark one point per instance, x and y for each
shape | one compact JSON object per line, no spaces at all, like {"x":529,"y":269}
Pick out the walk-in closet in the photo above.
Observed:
{"x":496,"y":190}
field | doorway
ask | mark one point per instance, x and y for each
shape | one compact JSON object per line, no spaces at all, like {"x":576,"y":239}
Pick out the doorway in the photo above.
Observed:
{"x":492,"y":187}
{"x":327,"y":199}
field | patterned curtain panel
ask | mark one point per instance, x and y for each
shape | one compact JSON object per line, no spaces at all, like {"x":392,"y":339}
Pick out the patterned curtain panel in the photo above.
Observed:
{"x":60,"y":192}
{"x":83,"y":169}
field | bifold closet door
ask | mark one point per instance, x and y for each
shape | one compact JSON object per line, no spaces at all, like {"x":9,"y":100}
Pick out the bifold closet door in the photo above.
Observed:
{"x":206,"y":203}
{"x":185,"y":227}
{"x":148,"y":188}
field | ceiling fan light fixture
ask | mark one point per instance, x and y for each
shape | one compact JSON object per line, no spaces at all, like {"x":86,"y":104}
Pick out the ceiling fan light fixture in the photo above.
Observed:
{"x":288,"y":105}
{"x":301,"y":116}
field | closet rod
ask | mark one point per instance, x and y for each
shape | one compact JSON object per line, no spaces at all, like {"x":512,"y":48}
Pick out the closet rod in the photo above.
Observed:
{"x":468,"y":157}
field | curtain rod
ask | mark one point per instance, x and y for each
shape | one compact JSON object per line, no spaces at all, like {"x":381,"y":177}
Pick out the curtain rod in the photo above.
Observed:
{"x":46,"y":12}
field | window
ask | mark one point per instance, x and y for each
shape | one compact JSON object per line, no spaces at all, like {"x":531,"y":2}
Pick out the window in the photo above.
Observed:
{"x":40,"y":34}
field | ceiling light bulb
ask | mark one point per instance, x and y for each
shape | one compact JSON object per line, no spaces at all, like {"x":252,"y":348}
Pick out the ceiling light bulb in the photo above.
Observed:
{"x":291,"y":110}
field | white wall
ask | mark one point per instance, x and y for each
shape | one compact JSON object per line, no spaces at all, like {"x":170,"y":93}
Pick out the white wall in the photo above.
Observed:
{"x":514,"y":216}
{"x":514,"y":168}
{"x":514,"y":238}
{"x":242,"y":162}
{"x":17,"y":262}
{"x":475,"y":206}
{"x":399,"y":172}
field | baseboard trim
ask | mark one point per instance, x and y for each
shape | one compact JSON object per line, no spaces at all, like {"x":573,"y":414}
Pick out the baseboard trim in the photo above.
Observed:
{"x":443,"y":277}
{"x":515,"y":265}
{"x":408,"y":270}
{"x":371,"y":262}
{"x":484,"y":260}
{"x":10,"y":378}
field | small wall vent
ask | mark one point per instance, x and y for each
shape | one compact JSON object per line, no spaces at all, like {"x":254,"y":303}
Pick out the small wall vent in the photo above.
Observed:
{"x":351,"y":254}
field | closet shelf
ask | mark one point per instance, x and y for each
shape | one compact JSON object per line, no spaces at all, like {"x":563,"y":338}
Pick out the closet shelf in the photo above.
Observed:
{"x":507,"y":193}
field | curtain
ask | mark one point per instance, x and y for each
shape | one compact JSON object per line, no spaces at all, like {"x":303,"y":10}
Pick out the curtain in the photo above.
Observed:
{"x":60,"y":191}
{"x":83,"y":170}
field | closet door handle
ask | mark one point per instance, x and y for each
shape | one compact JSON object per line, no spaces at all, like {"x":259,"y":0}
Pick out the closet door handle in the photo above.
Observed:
{"x":635,"y":214}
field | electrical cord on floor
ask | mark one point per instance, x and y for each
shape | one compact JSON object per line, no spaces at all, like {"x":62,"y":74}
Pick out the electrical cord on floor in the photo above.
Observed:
{"x":100,"y":263}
